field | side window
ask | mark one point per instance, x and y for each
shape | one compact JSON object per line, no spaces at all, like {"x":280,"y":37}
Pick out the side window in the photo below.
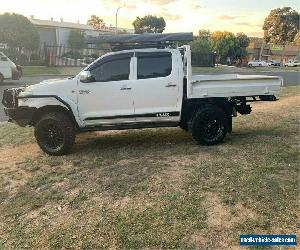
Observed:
{"x":114,"y":69}
{"x":152,"y":65}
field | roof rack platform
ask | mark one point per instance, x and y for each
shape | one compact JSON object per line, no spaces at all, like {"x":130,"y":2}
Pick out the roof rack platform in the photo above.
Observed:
{"x":148,"y":40}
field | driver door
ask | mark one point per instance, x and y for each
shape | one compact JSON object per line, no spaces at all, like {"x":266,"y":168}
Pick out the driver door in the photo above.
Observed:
{"x":108,"y":99}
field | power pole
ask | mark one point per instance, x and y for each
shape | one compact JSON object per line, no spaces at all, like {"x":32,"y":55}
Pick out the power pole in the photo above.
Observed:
{"x":116,"y":31}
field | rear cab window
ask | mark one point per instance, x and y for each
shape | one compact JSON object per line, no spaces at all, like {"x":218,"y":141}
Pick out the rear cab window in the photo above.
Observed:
{"x":153,"y":64}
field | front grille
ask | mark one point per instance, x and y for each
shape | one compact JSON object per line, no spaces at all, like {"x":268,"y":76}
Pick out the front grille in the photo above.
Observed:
{"x":10,"y":97}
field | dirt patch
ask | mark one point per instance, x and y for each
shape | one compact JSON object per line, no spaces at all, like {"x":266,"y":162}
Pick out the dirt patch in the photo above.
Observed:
{"x":10,"y":160}
{"x":220,"y":216}
{"x":281,"y":104}
{"x":18,"y":154}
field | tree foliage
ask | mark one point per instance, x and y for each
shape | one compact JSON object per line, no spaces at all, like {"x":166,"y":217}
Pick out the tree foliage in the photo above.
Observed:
{"x":201,"y":46}
{"x":281,"y":26}
{"x":204,"y":34}
{"x":18,"y":32}
{"x":297,"y":39}
{"x":95,"y":21}
{"x":223,"y":42}
{"x":149,"y":24}
{"x":240,"y":49}
{"x":76,"y":39}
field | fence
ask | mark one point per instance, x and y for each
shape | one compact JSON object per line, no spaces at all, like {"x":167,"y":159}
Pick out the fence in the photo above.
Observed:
{"x":203,"y":60}
{"x":60,"y":55}
{"x":68,"y":56}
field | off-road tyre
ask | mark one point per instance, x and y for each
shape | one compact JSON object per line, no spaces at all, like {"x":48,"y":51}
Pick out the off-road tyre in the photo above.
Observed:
{"x":209,"y":125}
{"x":184,"y":126}
{"x":55,"y":133}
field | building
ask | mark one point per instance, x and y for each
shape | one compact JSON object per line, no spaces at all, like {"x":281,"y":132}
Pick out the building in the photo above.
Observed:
{"x":258,"y":50}
{"x":56,"y":33}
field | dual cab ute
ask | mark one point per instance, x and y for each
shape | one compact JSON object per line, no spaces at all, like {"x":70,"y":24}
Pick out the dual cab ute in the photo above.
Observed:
{"x":133,"y":89}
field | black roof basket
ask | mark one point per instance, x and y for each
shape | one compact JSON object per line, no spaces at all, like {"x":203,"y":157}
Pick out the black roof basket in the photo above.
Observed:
{"x":134,"y":41}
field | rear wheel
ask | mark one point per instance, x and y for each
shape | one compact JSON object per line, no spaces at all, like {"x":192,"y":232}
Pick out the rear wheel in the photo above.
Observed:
{"x":184,"y":126}
{"x":55,"y":133}
{"x":210,"y":125}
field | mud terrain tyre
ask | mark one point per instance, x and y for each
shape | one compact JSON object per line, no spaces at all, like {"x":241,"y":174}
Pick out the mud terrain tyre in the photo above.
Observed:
{"x":209,"y":125}
{"x":55,"y":133}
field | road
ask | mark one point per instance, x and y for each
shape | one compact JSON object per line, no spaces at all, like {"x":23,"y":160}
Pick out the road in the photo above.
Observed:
{"x":289,"y":78}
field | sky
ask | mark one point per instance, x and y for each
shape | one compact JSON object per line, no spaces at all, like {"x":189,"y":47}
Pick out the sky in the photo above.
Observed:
{"x":181,"y":15}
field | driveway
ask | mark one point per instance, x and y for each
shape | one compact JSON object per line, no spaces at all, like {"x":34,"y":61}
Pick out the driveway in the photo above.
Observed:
{"x":289,"y":78}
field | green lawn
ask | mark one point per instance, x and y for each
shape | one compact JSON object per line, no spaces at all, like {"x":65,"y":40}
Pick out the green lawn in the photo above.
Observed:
{"x":40,"y":70}
{"x":153,"y":188}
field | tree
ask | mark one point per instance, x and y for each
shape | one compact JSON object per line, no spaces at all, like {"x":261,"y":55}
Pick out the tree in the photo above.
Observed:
{"x":96,"y":22}
{"x":149,"y":24}
{"x":297,"y":39}
{"x":204,"y":34}
{"x":76,"y":39}
{"x":240,"y":49}
{"x":281,"y":26}
{"x":201,"y":45}
{"x":18,"y":32}
{"x":223,"y":43}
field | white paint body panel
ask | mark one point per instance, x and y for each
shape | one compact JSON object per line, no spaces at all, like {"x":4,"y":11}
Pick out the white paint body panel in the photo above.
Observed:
{"x":159,"y":95}
{"x":6,"y":67}
{"x":230,"y":85}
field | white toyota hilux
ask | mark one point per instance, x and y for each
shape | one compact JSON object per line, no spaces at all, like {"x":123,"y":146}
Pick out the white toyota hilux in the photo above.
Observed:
{"x":133,"y":89}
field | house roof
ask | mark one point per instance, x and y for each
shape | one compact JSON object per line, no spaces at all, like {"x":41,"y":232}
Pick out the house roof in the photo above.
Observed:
{"x":52,"y":23}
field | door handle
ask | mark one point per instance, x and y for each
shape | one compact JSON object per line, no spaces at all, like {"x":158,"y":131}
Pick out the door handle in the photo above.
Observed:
{"x":125,"y":88}
{"x":170,"y":85}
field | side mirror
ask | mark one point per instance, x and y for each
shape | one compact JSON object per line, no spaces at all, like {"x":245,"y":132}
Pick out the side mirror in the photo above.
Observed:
{"x":3,"y":58}
{"x":86,"y":77}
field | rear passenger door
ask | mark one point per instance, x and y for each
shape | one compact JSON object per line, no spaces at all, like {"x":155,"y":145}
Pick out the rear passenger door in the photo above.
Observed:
{"x":156,"y":88}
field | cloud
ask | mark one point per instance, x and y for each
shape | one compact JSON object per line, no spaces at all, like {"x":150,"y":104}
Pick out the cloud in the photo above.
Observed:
{"x":171,"y":17}
{"x":225,"y":17}
{"x":161,"y":2}
{"x":248,"y":24}
{"x":244,"y":23}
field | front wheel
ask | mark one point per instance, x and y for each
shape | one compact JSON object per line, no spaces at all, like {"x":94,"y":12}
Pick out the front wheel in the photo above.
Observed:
{"x":55,"y":133}
{"x":209,"y":125}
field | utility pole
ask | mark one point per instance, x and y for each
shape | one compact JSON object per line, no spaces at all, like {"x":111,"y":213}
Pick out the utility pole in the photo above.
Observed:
{"x":116,"y":31}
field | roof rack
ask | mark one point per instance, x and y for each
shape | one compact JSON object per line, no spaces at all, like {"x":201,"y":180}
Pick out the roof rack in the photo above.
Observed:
{"x":148,"y":40}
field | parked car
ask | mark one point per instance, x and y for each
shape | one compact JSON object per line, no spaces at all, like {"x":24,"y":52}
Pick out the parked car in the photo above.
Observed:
{"x":135,"y":89}
{"x":257,"y":63}
{"x":273,"y":63}
{"x":292,"y":63}
{"x":8,"y":69}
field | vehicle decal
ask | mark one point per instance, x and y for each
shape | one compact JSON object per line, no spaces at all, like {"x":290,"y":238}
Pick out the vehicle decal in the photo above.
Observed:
{"x":157,"y":114}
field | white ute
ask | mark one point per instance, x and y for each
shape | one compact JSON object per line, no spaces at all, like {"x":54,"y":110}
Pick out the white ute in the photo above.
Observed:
{"x":8,"y":69}
{"x":137,"y":88}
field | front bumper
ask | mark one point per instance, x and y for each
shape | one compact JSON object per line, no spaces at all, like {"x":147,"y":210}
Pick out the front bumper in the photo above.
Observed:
{"x":21,"y":115}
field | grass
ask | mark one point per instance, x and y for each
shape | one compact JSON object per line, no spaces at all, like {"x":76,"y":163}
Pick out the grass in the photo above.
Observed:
{"x":40,"y":70}
{"x":153,"y":188}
